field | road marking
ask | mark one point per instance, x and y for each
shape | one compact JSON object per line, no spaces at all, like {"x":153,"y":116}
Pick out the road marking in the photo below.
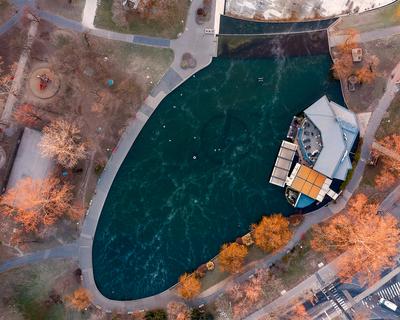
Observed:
{"x":397,"y":287}
{"x":386,"y":293}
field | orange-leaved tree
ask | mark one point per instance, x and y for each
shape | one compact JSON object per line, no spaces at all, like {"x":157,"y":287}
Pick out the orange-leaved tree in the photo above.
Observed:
{"x":384,"y":180}
{"x":351,"y":42}
{"x":27,"y":115}
{"x":367,"y":242}
{"x":79,"y":299}
{"x":342,"y":66}
{"x":178,"y":311}
{"x":272,"y":233}
{"x":62,"y":140}
{"x":391,"y":142}
{"x":299,"y":312}
{"x":231,"y":257}
{"x":189,"y":286}
{"x":38,"y":203}
{"x":366,"y":75}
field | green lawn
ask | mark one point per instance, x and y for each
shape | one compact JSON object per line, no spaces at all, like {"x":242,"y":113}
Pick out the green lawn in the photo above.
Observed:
{"x":298,"y":264}
{"x":380,"y":18}
{"x":37,"y":292}
{"x":391,"y":122}
{"x":70,"y":9}
{"x":167,"y":24}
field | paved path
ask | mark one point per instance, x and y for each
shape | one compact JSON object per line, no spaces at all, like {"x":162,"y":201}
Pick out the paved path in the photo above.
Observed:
{"x":10,"y":23}
{"x":383,"y":33}
{"x":65,"y":251}
{"x":80,"y":27}
{"x":89,"y":12}
{"x":19,"y":73}
{"x":203,"y":48}
{"x":372,"y":127}
{"x":329,"y":272}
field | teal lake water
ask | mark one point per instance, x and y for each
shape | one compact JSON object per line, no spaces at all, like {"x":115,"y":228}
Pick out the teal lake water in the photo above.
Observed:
{"x":197,"y":175}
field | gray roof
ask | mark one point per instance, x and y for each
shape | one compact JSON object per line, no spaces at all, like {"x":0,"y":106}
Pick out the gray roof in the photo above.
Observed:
{"x":28,"y":161}
{"x":339,"y":129}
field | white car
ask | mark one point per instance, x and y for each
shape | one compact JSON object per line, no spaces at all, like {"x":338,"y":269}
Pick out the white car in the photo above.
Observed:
{"x":388,"y":304}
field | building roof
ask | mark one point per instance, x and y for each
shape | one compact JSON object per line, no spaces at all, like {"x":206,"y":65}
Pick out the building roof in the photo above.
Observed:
{"x":283,"y":163}
{"x":309,"y":182}
{"x":339,"y":129}
{"x":29,"y":162}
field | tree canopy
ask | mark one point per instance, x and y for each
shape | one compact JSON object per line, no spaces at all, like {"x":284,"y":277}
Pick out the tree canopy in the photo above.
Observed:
{"x":38,"y":203}
{"x":62,"y":140}
{"x":79,"y":299}
{"x":189,"y":286}
{"x":231,"y":257}
{"x":272,"y":233}
{"x":366,"y":241}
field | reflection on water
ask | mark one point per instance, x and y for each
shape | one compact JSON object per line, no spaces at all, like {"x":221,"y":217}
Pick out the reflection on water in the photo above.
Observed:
{"x":197,"y":176}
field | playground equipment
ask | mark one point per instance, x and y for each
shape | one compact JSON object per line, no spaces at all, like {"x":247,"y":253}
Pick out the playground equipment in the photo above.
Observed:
{"x":44,"y":81}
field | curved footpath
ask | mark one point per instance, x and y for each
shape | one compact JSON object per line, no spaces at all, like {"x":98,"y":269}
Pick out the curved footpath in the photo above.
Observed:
{"x":203,"y":48}
{"x":69,"y":250}
{"x":388,"y":204}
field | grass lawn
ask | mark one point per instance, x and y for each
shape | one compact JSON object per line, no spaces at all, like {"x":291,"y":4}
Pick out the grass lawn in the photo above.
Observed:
{"x":295,"y":266}
{"x":167,"y":24}
{"x":37,"y":292}
{"x":391,"y":122}
{"x":72,"y":9}
{"x":148,"y":64}
{"x":389,"y":125}
{"x":298,"y":264}
{"x":380,"y":18}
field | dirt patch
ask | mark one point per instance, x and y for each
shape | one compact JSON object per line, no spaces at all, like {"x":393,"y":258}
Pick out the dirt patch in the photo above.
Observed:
{"x":7,"y":10}
{"x":385,"y":50}
{"x":159,"y":18}
{"x":70,"y":9}
{"x":366,"y":95}
{"x":102,"y":85}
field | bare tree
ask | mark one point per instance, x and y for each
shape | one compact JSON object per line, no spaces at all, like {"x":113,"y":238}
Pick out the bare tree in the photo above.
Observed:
{"x":62,"y":140}
{"x":28,"y":115}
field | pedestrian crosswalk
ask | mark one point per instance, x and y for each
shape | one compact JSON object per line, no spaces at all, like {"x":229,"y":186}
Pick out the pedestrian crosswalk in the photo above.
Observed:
{"x":337,"y":297}
{"x":390,"y":292}
{"x":393,"y":291}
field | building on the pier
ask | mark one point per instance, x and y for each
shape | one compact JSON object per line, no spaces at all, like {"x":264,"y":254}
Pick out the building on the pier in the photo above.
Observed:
{"x":319,"y":152}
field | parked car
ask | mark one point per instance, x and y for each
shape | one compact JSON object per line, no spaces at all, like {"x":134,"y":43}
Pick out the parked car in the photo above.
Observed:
{"x":388,"y":304}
